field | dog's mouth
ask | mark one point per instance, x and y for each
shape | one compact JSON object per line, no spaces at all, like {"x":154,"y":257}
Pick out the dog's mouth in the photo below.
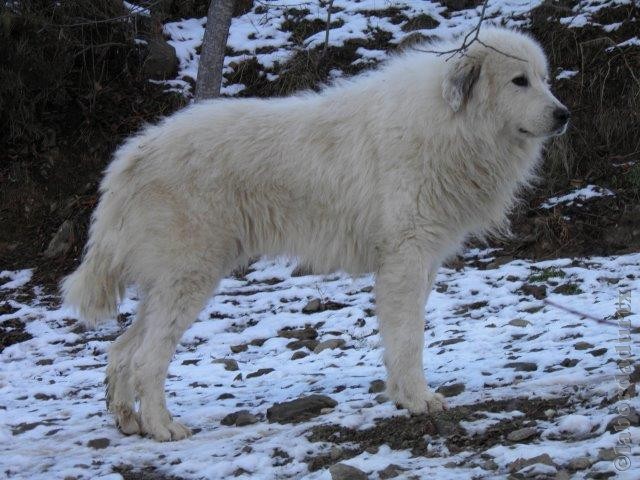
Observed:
{"x":553,"y":133}
{"x":560,"y":130}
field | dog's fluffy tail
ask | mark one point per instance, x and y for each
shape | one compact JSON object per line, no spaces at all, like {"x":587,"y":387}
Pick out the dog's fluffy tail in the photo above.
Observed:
{"x":95,"y":288}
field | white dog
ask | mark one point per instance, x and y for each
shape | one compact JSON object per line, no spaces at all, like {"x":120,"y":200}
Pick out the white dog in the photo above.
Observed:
{"x":387,"y":173}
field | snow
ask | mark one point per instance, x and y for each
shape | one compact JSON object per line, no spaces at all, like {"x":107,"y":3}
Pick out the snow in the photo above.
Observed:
{"x":136,"y":9}
{"x":53,"y":399}
{"x":578,"y":195}
{"x":565,"y":74}
{"x":635,"y":41}
{"x":256,"y":31}
{"x":51,"y":386}
{"x":576,"y":425}
{"x":16,"y":278}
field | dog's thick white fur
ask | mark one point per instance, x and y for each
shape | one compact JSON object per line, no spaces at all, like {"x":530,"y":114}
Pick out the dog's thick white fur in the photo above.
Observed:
{"x":387,"y":173}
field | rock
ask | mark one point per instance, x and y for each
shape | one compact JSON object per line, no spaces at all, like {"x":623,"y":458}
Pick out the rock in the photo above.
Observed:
{"x":520,"y":463}
{"x":519,"y":322}
{"x":62,"y":240}
{"x":329,"y":345}
{"x":229,"y":364}
{"x":161,"y":61}
{"x":607,"y":454}
{"x":229,"y":419}
{"x":562,"y":475}
{"x":569,"y":362}
{"x":312,"y":306}
{"x":567,"y":289}
{"x":451,"y":390}
{"x":522,"y":366}
{"x":390,"y":471}
{"x":246,"y":418}
{"x":300,"y":409}
{"x":298,"y":355}
{"x":627,"y":418}
{"x":239,"y":348}
{"x":341,"y":471}
{"x":377,"y":386}
{"x":537,"y":291}
{"x":598,"y":352}
{"x":489,"y":465}
{"x":582,"y":346}
{"x":297,"y":344}
{"x":260,"y":372}
{"x":446,"y":425}
{"x":601,"y":475}
{"x":522,"y":434}
{"x":336,"y":452}
{"x":579,"y":463}
{"x":98,"y":443}
{"x":381,"y":398}
{"x":239,"y":419}
{"x":307,"y":333}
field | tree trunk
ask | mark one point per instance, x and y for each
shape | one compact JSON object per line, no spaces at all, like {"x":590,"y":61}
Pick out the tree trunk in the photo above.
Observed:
{"x":214,"y":44}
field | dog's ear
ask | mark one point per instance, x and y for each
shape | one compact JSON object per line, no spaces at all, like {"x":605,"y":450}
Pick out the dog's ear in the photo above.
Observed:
{"x":459,"y":79}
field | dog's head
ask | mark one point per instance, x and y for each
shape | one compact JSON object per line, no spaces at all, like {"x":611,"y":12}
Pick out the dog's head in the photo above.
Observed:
{"x":505,"y":74}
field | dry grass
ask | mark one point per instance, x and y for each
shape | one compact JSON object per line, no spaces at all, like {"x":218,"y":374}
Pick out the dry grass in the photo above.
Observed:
{"x":604,"y":96}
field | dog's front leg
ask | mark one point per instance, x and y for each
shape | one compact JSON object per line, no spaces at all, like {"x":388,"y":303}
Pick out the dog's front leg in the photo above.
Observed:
{"x":403,"y":283}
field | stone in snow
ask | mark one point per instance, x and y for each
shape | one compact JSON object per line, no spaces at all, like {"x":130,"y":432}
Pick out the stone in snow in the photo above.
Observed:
{"x":522,"y":434}
{"x":229,"y":364}
{"x":300,"y":409}
{"x":329,"y":345}
{"x":342,"y":471}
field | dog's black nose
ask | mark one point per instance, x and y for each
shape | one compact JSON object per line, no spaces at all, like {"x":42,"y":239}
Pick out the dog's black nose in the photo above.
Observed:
{"x":561,"y":115}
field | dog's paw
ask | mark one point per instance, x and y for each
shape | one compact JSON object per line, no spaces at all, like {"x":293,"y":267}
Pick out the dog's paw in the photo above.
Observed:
{"x":127,"y":420}
{"x":421,"y":402}
{"x":165,"y":430}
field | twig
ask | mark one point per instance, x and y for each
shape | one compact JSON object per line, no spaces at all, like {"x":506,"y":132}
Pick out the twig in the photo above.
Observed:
{"x":469,"y":39}
{"x":326,"y":32}
{"x":85,"y":22}
{"x":578,"y":313}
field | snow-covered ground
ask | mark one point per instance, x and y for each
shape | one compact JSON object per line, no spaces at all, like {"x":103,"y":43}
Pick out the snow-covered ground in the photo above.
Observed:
{"x":492,"y":335}
{"x":577,"y":195}
{"x":534,"y":380}
{"x":264,"y":33}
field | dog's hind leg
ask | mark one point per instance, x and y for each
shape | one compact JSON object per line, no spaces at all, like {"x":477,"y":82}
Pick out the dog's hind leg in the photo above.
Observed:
{"x":120,"y":394}
{"x":171,"y":307}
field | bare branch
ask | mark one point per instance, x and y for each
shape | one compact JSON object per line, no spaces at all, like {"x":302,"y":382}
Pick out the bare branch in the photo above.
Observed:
{"x":579,"y":314}
{"x":326,"y":32}
{"x":469,"y":39}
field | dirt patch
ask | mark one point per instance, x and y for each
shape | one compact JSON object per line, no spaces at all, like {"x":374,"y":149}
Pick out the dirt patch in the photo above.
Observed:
{"x":410,"y":432}
{"x":130,"y":472}
{"x":13,"y":331}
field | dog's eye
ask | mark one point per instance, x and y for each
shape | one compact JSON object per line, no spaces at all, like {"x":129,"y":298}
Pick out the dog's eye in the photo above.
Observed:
{"x":521,"y":81}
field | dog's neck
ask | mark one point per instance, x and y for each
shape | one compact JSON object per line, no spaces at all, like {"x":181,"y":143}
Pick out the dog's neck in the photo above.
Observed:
{"x":484,"y":192}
